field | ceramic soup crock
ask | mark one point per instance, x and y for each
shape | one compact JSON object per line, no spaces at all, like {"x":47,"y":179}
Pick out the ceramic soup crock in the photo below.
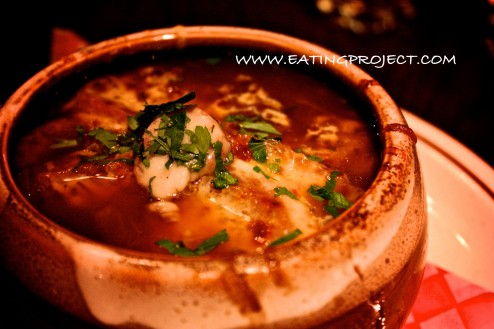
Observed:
{"x":362,"y":270}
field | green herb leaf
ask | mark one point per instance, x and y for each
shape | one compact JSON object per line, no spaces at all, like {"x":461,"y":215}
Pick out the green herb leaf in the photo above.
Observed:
{"x":176,"y":133}
{"x":260,"y":126}
{"x":212,"y":243}
{"x":240,"y":118}
{"x":332,"y":210}
{"x":176,"y":248}
{"x":150,"y":112}
{"x":202,"y":139}
{"x":132,"y":122}
{"x":274,"y":167}
{"x":168,"y":138}
{"x":223,"y":178}
{"x":338,"y":200}
{"x":308,"y":156}
{"x":286,"y":238}
{"x":64,"y":143}
{"x":259,"y":170}
{"x":179,"y":249}
{"x":335,"y":200}
{"x":190,"y":148}
{"x":258,"y":148}
{"x":107,"y":138}
{"x":284,"y":191}
{"x":253,"y":126}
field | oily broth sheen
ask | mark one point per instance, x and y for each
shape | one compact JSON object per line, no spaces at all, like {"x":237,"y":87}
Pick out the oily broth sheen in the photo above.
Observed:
{"x":108,"y":205}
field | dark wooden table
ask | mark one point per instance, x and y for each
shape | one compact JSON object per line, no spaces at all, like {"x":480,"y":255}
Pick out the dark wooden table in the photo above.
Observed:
{"x":456,"y":97}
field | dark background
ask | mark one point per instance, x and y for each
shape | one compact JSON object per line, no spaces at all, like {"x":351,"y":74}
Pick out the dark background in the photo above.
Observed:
{"x":457,"y":98}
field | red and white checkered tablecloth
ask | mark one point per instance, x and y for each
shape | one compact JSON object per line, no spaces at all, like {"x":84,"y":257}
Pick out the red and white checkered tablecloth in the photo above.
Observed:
{"x":446,"y":301}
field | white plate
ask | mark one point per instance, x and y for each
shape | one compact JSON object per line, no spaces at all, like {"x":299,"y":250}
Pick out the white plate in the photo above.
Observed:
{"x":460,"y":198}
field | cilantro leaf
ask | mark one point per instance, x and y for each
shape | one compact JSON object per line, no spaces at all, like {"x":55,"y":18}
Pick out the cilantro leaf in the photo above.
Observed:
{"x":223,"y":178}
{"x":202,"y":139}
{"x":253,"y":126}
{"x":107,"y":138}
{"x":308,"y":156}
{"x":286,"y":238}
{"x":257,"y":169}
{"x":63,"y":143}
{"x":179,"y":249}
{"x":175,"y":133}
{"x":258,"y":148}
{"x":167,"y":140}
{"x":260,"y":126}
{"x":274,"y":167}
{"x":335,"y":200}
{"x":143,"y":119}
{"x":240,"y":118}
{"x":284,"y":191}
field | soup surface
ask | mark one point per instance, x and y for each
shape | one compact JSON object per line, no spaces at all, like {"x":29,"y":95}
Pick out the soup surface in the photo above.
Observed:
{"x":198,"y":157}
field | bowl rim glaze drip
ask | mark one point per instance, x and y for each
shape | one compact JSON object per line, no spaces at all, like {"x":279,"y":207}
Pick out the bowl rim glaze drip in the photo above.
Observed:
{"x":379,"y":212}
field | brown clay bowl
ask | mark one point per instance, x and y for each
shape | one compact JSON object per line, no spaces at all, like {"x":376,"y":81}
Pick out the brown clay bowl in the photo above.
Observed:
{"x":362,"y":270}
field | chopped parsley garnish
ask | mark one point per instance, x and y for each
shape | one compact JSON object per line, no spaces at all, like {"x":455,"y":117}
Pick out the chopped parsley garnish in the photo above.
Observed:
{"x":335,"y":200}
{"x":167,"y":139}
{"x":308,"y":156}
{"x":284,"y":191}
{"x":63,"y":143}
{"x":179,"y":249}
{"x":286,"y":238}
{"x":170,"y":138}
{"x":240,"y":118}
{"x":260,"y":126}
{"x":223,"y":178}
{"x":275,"y":166}
{"x":258,"y":148}
{"x":143,"y":119}
{"x":108,"y":139}
{"x":259,"y":170}
{"x":260,"y":131}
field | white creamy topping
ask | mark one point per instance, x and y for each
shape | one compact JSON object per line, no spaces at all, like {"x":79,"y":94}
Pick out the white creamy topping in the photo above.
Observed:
{"x":166,"y":183}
